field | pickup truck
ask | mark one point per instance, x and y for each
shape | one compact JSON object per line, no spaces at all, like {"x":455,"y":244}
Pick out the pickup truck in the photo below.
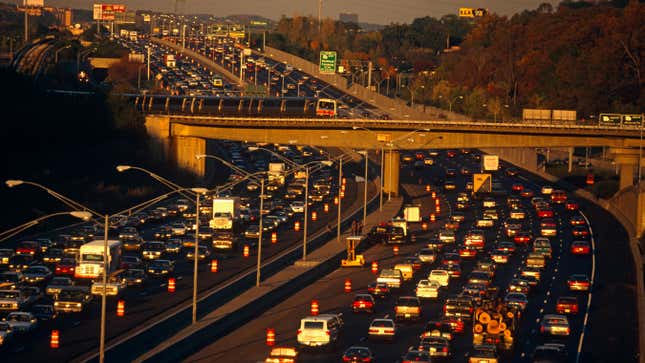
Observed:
{"x":391,"y":277}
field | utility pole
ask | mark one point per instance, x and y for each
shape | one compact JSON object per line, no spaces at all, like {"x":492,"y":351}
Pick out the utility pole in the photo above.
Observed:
{"x":26,"y":26}
{"x":319,"y":15}
{"x":148,"y":63}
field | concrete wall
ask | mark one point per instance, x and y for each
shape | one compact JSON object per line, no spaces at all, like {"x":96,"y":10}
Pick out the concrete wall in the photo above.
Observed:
{"x":522,"y":157}
{"x":184,"y":150}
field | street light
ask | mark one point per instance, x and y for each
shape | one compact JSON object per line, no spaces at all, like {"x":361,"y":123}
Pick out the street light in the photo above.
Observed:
{"x":296,"y":167}
{"x":365,"y":155}
{"x":198,"y":192}
{"x":450,"y":102}
{"x":84,"y":215}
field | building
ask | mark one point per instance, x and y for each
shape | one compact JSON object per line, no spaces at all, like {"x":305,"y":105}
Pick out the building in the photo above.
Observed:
{"x":348,"y":18}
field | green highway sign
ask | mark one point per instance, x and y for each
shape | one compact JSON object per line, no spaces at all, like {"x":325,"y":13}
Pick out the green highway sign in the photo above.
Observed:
{"x":327,"y":62}
{"x":632,"y":120}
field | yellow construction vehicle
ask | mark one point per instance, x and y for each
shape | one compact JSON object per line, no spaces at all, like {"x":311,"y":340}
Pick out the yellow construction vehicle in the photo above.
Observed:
{"x":353,"y":260}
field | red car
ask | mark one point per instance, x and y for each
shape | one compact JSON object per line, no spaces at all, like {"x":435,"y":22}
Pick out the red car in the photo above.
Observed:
{"x":580,"y":248}
{"x":517,"y":187}
{"x":358,"y":354}
{"x":378,"y":289}
{"x":522,"y":238}
{"x":580,"y":231}
{"x":454,"y":271}
{"x":452,"y":153}
{"x":467,"y":252}
{"x":27,"y":248}
{"x":577,"y":220}
{"x":450,"y":259}
{"x":567,"y":305}
{"x":572,"y":205}
{"x":456,"y":324}
{"x":579,"y":282}
{"x":545,"y":213}
{"x":363,"y":302}
{"x":527,"y":193}
{"x":414,"y":261}
{"x":65,"y":267}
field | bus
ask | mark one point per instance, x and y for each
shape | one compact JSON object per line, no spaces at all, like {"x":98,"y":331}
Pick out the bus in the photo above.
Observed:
{"x":326,"y":107}
{"x":90,"y":263}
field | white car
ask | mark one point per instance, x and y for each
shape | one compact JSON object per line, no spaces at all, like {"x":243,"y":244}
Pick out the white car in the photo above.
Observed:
{"x":382,"y":329}
{"x":298,"y":207}
{"x":428,"y":289}
{"x":447,"y":236}
{"x":440,"y":276}
{"x":20,"y":321}
{"x":427,"y":255}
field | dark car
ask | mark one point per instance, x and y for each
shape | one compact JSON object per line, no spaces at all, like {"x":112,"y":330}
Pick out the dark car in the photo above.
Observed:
{"x":161,"y":268}
{"x":37,"y":274}
{"x":65,"y":267}
{"x":134,"y":277}
{"x":358,"y":354}
{"x":378,"y":289}
{"x":44,"y":312}
{"x":130,"y":262}
{"x":20,"y":262}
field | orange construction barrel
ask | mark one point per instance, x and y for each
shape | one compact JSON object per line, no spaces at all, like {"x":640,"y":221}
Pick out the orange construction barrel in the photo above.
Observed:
{"x":374,"y":267}
{"x":270,"y":337}
{"x":314,"y":216}
{"x":296,"y":226}
{"x":326,"y":207}
{"x":274,"y":237}
{"x":395,"y":250}
{"x":348,"y":285}
{"x":245,"y":251}
{"x":214,"y":266}
{"x":314,"y":307}
{"x":53,"y":342}
{"x":171,"y":284}
{"x":120,"y":308}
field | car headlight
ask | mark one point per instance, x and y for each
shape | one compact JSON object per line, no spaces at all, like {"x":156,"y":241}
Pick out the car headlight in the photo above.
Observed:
{"x":78,"y":305}
{"x":56,"y":303}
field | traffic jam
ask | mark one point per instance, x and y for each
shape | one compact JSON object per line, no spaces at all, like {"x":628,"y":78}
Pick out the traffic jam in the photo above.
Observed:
{"x":501,"y":276}
{"x":50,"y":285}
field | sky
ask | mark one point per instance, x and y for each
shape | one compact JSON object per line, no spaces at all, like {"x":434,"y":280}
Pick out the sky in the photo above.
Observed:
{"x":369,"y":11}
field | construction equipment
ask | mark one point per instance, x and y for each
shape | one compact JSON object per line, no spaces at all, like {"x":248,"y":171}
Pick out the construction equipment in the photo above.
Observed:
{"x":496,"y":324}
{"x":353,"y":260}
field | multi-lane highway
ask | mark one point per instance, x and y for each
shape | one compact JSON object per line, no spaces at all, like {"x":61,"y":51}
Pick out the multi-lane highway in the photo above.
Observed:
{"x":285,"y":318}
{"x":79,"y":331}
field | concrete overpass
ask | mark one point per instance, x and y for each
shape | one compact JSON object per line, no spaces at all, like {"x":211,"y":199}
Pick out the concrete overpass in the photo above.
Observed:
{"x":183,"y":136}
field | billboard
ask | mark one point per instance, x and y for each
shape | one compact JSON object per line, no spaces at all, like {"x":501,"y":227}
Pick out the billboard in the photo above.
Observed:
{"x":106,"y":11}
{"x":34,"y":3}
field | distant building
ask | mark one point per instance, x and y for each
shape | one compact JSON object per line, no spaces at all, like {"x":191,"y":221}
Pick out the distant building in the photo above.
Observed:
{"x":63,"y":16}
{"x":348,"y":17}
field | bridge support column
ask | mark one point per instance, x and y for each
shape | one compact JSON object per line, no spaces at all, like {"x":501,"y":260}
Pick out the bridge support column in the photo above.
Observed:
{"x":158,"y":128}
{"x":391,"y":173}
{"x":184,"y":150}
{"x":627,"y":160}
{"x":570,"y":159}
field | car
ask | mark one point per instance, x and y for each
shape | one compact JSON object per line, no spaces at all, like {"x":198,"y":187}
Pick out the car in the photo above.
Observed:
{"x":579,"y":282}
{"x":517,"y":187}
{"x":428,"y":289}
{"x":550,"y":353}
{"x":567,"y":305}
{"x":527,"y":193}
{"x":21,"y":322}
{"x":134,"y":277}
{"x":133,"y":244}
{"x":571,"y":205}
{"x":378,"y":289}
{"x":577,"y":220}
{"x":363,"y":302}
{"x":465,"y":171}
{"x":454,"y":270}
{"x":451,"y":173}
{"x":457,"y":217}
{"x":449,"y":185}
{"x":437,"y":328}
{"x":65,"y":267}
{"x":447,"y":236}
{"x":559,"y":196}
{"x":416,"y":356}
{"x":546,"y":190}
{"x":20,"y":262}
{"x":129,"y":262}
{"x":500,"y":256}
{"x":413,"y":261}
{"x":555,"y":325}
{"x":57,"y":284}
{"x":450,"y":258}
{"x":545,"y":212}
{"x":580,"y":231}
{"x":427,"y":255}
{"x":407,"y":307}
{"x":580,"y":248}
{"x":72,"y":299}
{"x":520,"y":286}
{"x":460,"y":307}
{"x":44,"y":312}
{"x":161,"y":268}
{"x":282,"y":355}
{"x":11,"y":279}
{"x":28,"y":248}
{"x":382,"y":329}
{"x":467,"y":252}
{"x":516,"y":299}
{"x":523,"y":237}
{"x":483,"y":353}
{"x":480,"y":277}
{"x":435,"y":346}
{"x":489,"y":202}
{"x":53,"y":255}
{"x":203,"y":253}
{"x":153,"y":250}
{"x":319,"y":331}
{"x":358,"y":354}
{"x":506,"y":246}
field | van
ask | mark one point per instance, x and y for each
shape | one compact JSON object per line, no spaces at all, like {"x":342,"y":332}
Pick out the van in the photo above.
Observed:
{"x":321,"y":330}
{"x":441,"y":276}
{"x":406,"y":270}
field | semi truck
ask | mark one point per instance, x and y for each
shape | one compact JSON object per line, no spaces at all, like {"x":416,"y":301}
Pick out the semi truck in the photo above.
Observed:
{"x":225,"y":213}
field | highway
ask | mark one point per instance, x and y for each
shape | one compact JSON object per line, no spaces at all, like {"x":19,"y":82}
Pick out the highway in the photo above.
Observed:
{"x":79,"y":332}
{"x":285,"y":317}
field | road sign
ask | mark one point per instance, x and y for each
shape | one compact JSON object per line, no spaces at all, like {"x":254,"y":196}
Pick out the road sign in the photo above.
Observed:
{"x":327,"y":62}
{"x":632,"y":120}
{"x":482,"y":183}
{"x":609,"y":119}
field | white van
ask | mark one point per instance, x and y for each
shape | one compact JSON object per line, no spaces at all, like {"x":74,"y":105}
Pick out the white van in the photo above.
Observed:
{"x":441,"y":276}
{"x":321,"y":330}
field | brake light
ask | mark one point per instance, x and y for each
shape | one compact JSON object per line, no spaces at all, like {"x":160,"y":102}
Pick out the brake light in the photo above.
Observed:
{"x":471,"y":309}
{"x":445,"y":349}
{"x":568,"y":330}
{"x":327,"y":332}
{"x":542,"y":329}
{"x":373,"y":330}
{"x":299,"y":331}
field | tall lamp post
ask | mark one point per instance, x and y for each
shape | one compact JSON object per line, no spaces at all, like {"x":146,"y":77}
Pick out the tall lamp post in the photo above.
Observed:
{"x":365,"y":155}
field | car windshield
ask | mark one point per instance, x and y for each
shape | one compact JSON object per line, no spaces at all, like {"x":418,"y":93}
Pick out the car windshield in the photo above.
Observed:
{"x":358,"y":352}
{"x":73,"y":295}
{"x":160,"y":264}
{"x":92,"y":257}
{"x":314,"y":325}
